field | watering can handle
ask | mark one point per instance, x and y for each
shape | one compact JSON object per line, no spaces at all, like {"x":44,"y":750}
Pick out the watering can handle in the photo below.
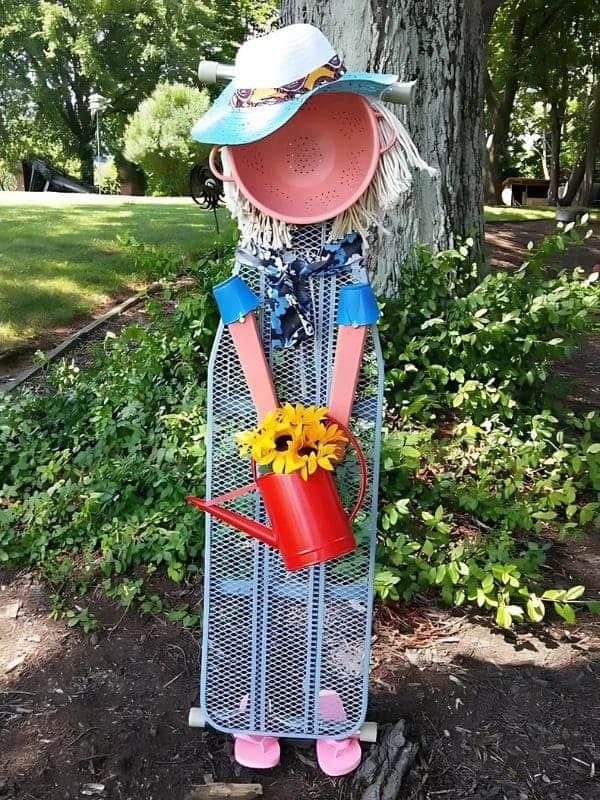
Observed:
{"x":361,"y":462}
{"x":213,"y":166}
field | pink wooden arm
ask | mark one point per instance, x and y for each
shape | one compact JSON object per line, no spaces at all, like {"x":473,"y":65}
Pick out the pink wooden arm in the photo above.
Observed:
{"x":346,"y":366}
{"x":254,"y":364}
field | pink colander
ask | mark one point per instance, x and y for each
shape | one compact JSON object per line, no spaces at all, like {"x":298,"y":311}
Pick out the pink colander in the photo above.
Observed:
{"x":315,"y":166}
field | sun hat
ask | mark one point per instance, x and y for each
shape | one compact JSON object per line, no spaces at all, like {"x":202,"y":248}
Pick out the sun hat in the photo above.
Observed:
{"x":274,"y":76}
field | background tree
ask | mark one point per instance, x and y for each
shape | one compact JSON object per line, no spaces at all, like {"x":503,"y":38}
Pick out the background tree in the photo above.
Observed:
{"x":57,"y":54}
{"x":505,"y":53}
{"x":580,"y":183}
{"x":158,"y":138}
{"x":542,"y":55}
{"x":443,"y":47}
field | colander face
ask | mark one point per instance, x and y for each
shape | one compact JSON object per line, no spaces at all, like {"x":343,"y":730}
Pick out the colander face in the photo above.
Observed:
{"x":315,"y":166}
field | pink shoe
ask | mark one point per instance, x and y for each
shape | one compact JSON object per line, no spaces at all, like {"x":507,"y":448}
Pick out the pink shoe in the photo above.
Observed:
{"x":255,"y":751}
{"x":336,"y":756}
{"x":258,"y":752}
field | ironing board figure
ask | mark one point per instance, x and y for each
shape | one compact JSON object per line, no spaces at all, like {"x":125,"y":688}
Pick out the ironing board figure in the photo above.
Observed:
{"x":311,"y":160}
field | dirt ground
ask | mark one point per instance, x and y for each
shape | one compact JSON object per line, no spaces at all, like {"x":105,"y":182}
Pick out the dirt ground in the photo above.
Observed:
{"x":495,"y":714}
{"x":506,"y":243}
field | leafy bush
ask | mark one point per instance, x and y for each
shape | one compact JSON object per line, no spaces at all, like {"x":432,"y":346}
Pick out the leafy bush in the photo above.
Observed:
{"x":479,"y":466}
{"x":8,"y":179}
{"x":97,"y":468}
{"x":107,"y":177}
{"x":158,"y":138}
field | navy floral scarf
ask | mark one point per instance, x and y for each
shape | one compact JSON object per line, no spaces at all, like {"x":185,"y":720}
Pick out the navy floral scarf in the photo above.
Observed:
{"x":287,"y":275}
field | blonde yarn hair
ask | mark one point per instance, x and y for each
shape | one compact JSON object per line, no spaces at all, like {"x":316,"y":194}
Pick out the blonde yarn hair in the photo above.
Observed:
{"x":392,"y":178}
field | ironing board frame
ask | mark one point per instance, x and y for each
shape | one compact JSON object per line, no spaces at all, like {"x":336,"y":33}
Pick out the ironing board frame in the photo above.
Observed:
{"x":259,"y":584}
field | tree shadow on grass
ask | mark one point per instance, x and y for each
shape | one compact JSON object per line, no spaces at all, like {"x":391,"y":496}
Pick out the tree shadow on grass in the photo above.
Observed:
{"x":27,"y":310}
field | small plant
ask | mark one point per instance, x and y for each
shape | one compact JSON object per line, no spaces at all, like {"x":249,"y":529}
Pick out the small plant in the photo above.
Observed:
{"x":183,"y":614}
{"x":81,"y":617}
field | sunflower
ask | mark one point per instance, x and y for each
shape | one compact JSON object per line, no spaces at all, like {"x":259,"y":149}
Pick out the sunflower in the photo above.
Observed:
{"x":294,"y":438}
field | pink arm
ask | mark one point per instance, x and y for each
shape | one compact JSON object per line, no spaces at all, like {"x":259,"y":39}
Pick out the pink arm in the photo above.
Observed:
{"x":346,"y":366}
{"x":254,"y":364}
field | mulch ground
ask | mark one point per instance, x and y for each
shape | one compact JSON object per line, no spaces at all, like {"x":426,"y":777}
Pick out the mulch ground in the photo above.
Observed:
{"x":497,"y":715}
{"x":513,"y":716}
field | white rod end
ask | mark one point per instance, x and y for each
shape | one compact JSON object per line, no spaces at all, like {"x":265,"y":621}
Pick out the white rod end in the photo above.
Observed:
{"x":400,"y":92}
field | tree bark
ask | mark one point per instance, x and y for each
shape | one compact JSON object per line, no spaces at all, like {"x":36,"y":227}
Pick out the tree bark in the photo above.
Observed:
{"x":592,"y":146}
{"x":581,"y":179}
{"x":556,"y":119}
{"x":85,"y":153}
{"x":498,"y":144}
{"x":441,"y":44}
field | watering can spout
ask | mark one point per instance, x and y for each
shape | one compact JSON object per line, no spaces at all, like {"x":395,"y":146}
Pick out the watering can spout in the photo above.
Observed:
{"x":244,"y":524}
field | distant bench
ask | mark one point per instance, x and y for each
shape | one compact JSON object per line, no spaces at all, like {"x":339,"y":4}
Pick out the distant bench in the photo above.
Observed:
{"x":40,"y":177}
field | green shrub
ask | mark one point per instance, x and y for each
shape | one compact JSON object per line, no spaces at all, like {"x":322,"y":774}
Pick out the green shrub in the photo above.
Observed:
{"x":8,"y":178}
{"x":100,"y":465}
{"x":158,"y":137}
{"x":480,"y":465}
{"x":107,"y":177}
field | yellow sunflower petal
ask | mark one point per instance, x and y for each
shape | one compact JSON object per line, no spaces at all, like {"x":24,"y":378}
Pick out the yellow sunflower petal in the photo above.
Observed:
{"x":325,"y":463}
{"x":279,"y":463}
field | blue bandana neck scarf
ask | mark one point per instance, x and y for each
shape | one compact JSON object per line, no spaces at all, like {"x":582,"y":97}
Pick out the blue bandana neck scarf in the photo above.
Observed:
{"x":287,"y":274}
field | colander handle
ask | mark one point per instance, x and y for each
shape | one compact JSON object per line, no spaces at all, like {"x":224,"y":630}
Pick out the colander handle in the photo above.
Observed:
{"x":392,"y":141}
{"x":213,"y":166}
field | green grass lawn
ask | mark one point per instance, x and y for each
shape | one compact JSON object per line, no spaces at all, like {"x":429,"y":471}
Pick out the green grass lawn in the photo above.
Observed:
{"x":61,"y":262}
{"x":506,"y":214}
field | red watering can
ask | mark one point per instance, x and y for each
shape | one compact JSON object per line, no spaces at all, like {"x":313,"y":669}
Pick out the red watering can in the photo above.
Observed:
{"x":309,"y":524}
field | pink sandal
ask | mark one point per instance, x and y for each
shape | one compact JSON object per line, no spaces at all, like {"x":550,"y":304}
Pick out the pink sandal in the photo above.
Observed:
{"x":336,"y":756}
{"x":253,"y":750}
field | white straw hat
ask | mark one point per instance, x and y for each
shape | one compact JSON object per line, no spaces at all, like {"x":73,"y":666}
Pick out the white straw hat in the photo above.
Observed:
{"x":274,"y":75}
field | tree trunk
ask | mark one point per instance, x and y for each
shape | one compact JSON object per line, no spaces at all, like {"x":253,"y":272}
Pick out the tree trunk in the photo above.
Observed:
{"x":85,"y":152}
{"x":498,"y":147}
{"x":592,"y":146}
{"x":544,"y":156}
{"x":555,"y":145}
{"x":581,"y":179}
{"x":489,"y":191}
{"x":441,"y":44}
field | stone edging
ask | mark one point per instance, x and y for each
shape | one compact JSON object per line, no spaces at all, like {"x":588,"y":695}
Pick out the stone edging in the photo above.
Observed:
{"x":71,"y":340}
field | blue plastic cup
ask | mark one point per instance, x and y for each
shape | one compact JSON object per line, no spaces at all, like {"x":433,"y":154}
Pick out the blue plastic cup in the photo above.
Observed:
{"x":357,"y":305}
{"x":235,"y":299}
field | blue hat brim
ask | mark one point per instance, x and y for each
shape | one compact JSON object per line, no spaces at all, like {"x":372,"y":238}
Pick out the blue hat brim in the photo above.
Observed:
{"x":224,"y":124}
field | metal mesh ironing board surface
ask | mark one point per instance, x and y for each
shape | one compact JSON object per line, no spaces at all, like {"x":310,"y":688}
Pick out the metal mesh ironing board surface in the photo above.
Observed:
{"x":272,"y":639}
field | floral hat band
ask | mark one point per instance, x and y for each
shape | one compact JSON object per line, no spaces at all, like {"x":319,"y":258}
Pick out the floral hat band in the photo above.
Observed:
{"x":321,"y":76}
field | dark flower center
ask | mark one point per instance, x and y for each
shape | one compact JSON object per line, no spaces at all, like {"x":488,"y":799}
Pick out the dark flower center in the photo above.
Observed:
{"x":282,"y":442}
